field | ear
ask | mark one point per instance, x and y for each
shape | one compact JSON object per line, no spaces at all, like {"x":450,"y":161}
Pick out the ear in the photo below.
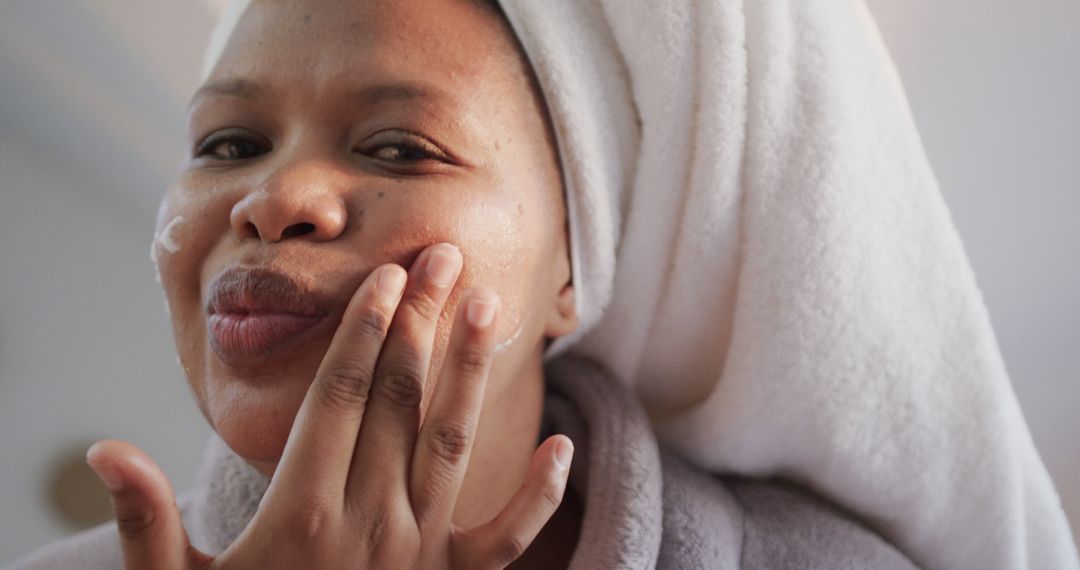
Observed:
{"x":562,"y":317}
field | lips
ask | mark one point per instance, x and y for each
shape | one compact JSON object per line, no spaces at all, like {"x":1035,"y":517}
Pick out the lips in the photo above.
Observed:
{"x":254,"y":313}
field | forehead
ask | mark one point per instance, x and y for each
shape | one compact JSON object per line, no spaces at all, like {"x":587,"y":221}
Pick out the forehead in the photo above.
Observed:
{"x":457,"y":47}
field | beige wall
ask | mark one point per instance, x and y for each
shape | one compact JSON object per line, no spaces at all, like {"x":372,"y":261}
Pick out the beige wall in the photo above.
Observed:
{"x":85,"y":347}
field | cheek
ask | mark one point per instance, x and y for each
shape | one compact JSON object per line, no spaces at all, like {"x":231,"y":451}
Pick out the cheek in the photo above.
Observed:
{"x":501,"y":252}
{"x":188,"y":224}
{"x":501,"y":237}
{"x":498,"y":254}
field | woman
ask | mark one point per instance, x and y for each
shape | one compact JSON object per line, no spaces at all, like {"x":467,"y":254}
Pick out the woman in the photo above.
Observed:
{"x":368,"y":246}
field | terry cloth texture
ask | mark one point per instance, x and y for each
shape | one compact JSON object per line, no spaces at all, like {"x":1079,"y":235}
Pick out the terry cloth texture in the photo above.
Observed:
{"x":644,"y":506}
{"x":763,"y":256}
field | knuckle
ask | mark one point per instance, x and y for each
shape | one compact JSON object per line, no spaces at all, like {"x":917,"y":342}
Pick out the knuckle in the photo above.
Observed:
{"x":378,"y":525}
{"x":310,"y":522}
{"x":402,"y":386}
{"x":509,"y":548}
{"x":550,"y":495}
{"x":380,"y":528}
{"x":472,"y":360}
{"x":134,"y":523}
{"x":373,"y":322}
{"x":345,"y":387}
{"x":424,"y":305}
{"x":449,"y":441}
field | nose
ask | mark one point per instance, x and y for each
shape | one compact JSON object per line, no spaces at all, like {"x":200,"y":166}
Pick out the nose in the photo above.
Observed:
{"x":299,"y":201}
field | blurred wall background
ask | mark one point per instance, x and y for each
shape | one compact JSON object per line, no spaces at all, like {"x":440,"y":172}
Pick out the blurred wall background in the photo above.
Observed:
{"x":92,"y":117}
{"x":92,"y":100}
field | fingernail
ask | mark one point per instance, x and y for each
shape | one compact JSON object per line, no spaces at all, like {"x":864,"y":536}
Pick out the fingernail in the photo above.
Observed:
{"x":480,"y":312}
{"x":564,"y":451}
{"x":106,"y":471}
{"x":443,"y":262}
{"x":390,"y":282}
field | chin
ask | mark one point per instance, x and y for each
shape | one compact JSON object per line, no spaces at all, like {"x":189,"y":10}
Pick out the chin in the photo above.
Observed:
{"x":255,"y":420}
{"x":252,"y":408}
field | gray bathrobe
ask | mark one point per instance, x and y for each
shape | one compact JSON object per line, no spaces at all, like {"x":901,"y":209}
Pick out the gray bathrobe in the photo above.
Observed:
{"x":644,"y":506}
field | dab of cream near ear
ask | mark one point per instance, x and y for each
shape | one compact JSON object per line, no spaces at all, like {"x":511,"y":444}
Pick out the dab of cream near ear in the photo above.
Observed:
{"x":506,"y":343}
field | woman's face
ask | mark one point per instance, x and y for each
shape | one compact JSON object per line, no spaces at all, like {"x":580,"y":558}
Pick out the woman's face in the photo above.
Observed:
{"x":335,"y":136}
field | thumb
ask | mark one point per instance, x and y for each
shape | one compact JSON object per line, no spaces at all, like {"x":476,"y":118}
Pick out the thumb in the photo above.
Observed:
{"x":505,"y":538}
{"x":152,"y":534}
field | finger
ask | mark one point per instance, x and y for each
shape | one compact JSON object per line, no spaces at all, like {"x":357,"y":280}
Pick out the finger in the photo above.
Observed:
{"x":392,"y":420}
{"x":152,"y":534}
{"x":448,"y":433}
{"x":317,"y":455}
{"x":503,"y":539}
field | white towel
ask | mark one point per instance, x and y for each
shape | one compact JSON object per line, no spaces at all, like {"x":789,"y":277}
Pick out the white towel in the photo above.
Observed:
{"x":761,"y":252}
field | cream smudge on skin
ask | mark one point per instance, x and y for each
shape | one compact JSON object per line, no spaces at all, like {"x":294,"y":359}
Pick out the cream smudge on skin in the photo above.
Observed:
{"x":154,"y":259}
{"x":506,"y":343}
{"x":167,"y":238}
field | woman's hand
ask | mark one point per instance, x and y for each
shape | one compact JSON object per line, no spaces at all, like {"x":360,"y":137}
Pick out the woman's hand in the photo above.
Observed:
{"x":358,"y":485}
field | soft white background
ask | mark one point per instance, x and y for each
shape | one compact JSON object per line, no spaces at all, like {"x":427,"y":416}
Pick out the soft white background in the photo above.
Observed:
{"x":92,"y":97}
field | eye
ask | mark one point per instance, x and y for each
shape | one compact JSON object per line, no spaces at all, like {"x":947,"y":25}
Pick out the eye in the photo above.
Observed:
{"x":402,"y":153}
{"x":231,"y":144}
{"x":403,"y":148}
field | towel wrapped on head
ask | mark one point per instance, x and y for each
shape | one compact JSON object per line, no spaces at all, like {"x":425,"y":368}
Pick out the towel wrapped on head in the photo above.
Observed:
{"x":760,"y":251}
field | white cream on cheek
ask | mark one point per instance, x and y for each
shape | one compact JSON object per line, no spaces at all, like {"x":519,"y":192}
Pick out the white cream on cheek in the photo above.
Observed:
{"x":167,"y":238}
{"x":168,"y":235}
{"x":506,"y":343}
{"x":154,"y":259}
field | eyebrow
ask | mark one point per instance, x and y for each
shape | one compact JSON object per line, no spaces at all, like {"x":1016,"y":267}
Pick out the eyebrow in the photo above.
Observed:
{"x":232,"y":87}
{"x":397,"y":91}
